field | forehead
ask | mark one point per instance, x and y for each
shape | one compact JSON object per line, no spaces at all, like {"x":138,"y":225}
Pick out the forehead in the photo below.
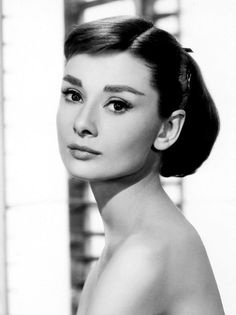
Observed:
{"x":119,"y":68}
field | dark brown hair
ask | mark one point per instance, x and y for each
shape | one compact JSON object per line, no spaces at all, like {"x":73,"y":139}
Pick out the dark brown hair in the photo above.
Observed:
{"x":175,"y":75}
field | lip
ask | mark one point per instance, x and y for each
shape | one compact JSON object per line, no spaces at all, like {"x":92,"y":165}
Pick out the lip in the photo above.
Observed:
{"x":75,"y":146}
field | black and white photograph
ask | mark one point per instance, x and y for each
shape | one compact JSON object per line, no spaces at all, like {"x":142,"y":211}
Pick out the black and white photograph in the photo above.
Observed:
{"x":117,"y":157}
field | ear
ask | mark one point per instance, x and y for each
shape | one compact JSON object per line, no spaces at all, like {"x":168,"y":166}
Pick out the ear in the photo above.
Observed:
{"x":170,"y":130}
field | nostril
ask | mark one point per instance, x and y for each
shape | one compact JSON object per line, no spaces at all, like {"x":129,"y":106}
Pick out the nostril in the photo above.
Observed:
{"x":85,"y":132}
{"x":85,"y":125}
{"x":82,"y":132}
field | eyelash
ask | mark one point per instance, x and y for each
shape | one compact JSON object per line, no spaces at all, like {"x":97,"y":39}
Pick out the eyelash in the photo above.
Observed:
{"x":71,"y":92}
{"x":68,"y":91}
{"x":125,"y":106}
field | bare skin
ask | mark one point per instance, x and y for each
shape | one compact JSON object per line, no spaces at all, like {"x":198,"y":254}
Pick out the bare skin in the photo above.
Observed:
{"x":153,"y":262}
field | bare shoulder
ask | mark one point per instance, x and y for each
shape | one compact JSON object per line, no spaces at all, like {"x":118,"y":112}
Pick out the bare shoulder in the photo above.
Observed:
{"x":133,"y":281}
{"x":162,"y":269}
{"x":191,"y":282}
{"x":145,"y":260}
{"x":187,"y":250}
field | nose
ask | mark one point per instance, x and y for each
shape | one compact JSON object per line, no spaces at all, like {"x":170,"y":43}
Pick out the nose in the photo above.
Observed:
{"x":85,"y":123}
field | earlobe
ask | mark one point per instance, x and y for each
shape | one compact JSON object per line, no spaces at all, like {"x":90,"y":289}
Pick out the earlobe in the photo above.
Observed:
{"x":170,"y":130}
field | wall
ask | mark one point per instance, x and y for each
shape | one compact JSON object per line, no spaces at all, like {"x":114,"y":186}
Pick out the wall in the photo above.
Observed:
{"x":209,"y":28}
{"x":37,"y":218}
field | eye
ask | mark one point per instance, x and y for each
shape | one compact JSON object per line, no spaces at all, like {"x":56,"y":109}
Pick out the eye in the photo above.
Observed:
{"x":72,"y":95}
{"x":118,"y":106}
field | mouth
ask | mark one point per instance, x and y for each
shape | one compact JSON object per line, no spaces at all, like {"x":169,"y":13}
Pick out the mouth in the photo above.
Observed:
{"x":75,"y":147}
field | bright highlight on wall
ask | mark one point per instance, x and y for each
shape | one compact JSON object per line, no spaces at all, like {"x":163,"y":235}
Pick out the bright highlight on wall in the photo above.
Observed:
{"x":37,"y":216}
{"x":110,"y":9}
{"x":209,"y":28}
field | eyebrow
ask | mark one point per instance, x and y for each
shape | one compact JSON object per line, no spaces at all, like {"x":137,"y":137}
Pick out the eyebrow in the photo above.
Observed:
{"x":122,"y":88}
{"x":72,"y":80}
{"x":108,"y":88}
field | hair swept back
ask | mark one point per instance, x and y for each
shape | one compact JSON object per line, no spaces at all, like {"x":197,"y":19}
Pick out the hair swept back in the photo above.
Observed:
{"x":175,"y":75}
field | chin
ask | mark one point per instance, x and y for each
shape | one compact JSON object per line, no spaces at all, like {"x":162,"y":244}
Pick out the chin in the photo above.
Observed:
{"x":99,"y":173}
{"x":80,"y":172}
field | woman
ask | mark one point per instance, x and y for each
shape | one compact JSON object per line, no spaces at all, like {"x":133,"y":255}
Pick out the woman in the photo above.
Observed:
{"x":134,"y":106}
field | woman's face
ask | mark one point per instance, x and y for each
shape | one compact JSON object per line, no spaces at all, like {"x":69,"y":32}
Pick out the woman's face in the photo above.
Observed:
{"x":108,"y":117}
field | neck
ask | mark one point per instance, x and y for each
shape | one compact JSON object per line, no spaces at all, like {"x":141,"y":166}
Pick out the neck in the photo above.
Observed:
{"x":125,"y":203}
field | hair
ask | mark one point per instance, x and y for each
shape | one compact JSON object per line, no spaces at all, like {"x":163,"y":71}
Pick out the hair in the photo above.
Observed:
{"x":175,"y":76}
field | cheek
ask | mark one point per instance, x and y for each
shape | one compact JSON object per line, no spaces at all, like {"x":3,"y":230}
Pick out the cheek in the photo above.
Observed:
{"x":139,"y":144}
{"x":132,"y":144}
{"x":60,"y":126}
{"x":63,"y":132}
{"x":63,"y":125}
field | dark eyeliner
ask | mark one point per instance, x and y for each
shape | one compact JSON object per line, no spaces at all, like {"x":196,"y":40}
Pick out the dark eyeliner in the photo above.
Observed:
{"x":126,"y":105}
{"x":70,"y":91}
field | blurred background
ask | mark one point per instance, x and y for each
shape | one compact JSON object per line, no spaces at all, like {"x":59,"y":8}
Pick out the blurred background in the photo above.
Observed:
{"x":50,"y":230}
